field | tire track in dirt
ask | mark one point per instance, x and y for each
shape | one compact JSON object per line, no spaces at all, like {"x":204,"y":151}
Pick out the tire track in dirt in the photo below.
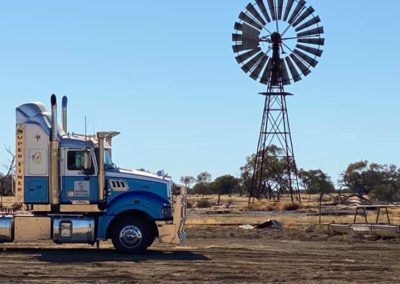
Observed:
{"x":223,"y":255}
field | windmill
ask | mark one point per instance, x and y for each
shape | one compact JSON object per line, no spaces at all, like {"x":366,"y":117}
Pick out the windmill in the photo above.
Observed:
{"x":277,"y":42}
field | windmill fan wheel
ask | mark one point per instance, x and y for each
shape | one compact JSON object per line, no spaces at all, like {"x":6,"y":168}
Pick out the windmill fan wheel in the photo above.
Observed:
{"x":291,"y":24}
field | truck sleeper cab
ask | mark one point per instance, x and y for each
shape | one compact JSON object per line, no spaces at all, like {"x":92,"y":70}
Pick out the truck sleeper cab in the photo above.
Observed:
{"x":73,"y":193}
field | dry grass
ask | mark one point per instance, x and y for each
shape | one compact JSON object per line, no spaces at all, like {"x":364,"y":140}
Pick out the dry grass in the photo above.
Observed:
{"x":203,"y":203}
{"x":273,"y":206}
{"x":299,"y":221}
{"x":8,"y":200}
{"x":281,"y":211}
{"x":292,"y":215}
{"x":289,"y":206}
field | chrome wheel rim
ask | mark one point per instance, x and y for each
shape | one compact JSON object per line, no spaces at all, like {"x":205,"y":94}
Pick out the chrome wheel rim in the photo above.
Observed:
{"x":130,"y":236}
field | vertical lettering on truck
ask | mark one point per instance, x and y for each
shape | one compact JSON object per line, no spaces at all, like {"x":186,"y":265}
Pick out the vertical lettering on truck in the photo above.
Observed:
{"x":20,"y":149}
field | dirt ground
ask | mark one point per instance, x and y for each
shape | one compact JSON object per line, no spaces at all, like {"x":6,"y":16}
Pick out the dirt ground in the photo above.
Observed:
{"x":213,"y":254}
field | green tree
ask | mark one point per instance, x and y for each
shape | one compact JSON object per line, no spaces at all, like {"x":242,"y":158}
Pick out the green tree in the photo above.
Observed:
{"x":204,"y":177}
{"x":316,"y":181}
{"x":389,"y":189}
{"x":187,"y":181}
{"x":361,"y":178}
{"x":226,"y":184}
{"x":381,"y":182}
{"x":274,"y":173}
{"x":203,"y":185}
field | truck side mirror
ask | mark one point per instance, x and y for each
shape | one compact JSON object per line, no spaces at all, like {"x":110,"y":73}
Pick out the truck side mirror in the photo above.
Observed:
{"x":87,"y":160}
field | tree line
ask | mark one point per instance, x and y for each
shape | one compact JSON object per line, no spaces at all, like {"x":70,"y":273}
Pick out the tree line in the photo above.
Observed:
{"x":380,"y":182}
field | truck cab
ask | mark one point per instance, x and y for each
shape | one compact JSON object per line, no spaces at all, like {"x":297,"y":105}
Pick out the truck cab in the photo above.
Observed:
{"x":72,"y":191}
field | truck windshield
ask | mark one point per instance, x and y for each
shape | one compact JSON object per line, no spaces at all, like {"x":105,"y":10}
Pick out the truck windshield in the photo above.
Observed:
{"x":108,"y":164}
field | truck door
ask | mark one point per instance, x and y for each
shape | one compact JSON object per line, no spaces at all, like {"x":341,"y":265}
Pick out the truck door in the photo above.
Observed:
{"x":77,"y":186}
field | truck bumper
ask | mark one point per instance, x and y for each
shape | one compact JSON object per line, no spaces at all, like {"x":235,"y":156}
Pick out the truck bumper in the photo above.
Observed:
{"x":173,"y":233}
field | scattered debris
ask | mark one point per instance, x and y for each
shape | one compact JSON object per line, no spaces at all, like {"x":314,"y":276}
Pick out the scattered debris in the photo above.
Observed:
{"x":371,"y":237}
{"x":246,"y":227}
{"x":310,"y":229}
{"x":270,"y":224}
{"x":342,"y":199}
{"x":219,"y":211}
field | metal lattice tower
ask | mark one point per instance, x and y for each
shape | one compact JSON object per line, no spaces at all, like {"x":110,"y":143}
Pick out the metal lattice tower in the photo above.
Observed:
{"x":277,"y":42}
{"x":275,"y":130}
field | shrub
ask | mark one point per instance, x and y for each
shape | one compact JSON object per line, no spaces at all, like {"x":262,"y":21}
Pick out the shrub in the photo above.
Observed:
{"x":291,"y":206}
{"x":189,"y":203}
{"x":263,"y":206}
{"x":203,"y":203}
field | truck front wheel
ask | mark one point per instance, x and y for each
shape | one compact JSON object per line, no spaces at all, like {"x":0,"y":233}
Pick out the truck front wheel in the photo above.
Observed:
{"x":132,"y":235}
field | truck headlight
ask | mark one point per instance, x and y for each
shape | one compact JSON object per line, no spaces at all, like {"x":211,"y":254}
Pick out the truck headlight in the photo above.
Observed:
{"x":166,"y":210}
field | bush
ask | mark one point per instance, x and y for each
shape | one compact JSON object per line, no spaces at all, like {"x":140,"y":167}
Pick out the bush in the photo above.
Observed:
{"x":291,"y":206}
{"x":203,"y":203}
{"x":189,"y":204}
{"x":262,"y":206}
{"x":385,"y":193}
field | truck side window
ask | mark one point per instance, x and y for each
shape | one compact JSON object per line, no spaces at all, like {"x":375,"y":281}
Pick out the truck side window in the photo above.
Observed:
{"x":75,"y":161}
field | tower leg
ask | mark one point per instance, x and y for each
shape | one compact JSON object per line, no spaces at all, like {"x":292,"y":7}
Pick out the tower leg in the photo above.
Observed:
{"x":275,"y":170}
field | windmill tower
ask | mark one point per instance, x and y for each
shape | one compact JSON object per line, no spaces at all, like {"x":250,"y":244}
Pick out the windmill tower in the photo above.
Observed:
{"x":277,"y":42}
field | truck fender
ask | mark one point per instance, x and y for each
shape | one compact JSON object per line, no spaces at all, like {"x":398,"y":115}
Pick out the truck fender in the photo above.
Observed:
{"x":135,"y":202}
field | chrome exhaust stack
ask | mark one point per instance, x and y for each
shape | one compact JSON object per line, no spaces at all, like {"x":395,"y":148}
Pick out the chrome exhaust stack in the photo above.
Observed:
{"x":53,"y":178}
{"x":64,"y":114}
{"x":101,"y":175}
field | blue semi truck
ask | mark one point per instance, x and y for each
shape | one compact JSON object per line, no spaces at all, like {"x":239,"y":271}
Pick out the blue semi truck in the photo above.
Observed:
{"x":70,"y":191}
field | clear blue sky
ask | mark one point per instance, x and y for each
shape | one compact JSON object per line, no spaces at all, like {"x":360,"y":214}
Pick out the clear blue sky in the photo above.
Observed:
{"x":163,"y":73}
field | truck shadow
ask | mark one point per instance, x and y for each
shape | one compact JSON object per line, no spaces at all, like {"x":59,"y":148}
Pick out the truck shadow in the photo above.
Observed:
{"x":93,"y":255}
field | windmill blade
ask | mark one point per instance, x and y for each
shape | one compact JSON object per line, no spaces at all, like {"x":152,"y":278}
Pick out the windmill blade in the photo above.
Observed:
{"x":241,"y":43}
{"x":265,"y":77}
{"x":238,"y":26}
{"x":256,"y":72}
{"x":251,"y":63}
{"x":250,"y":32}
{"x":296,"y":11}
{"x":236,"y":37}
{"x":306,"y":12}
{"x":272,"y":9}
{"x":317,"y":41}
{"x":309,"y":23}
{"x":249,"y":43}
{"x":312,"y":50}
{"x":238,"y":48}
{"x":245,"y":18}
{"x":250,"y":36}
{"x":305,"y":57}
{"x":312,"y":32}
{"x":285,"y":74}
{"x":288,"y":8}
{"x":250,"y":8}
{"x":247,"y":55}
{"x":302,"y":67}
{"x":280,"y":8}
{"x":263,"y":10}
{"x":295,"y":74}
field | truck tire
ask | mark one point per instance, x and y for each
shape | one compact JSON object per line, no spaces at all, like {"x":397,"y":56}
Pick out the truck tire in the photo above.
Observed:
{"x":132,"y":235}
